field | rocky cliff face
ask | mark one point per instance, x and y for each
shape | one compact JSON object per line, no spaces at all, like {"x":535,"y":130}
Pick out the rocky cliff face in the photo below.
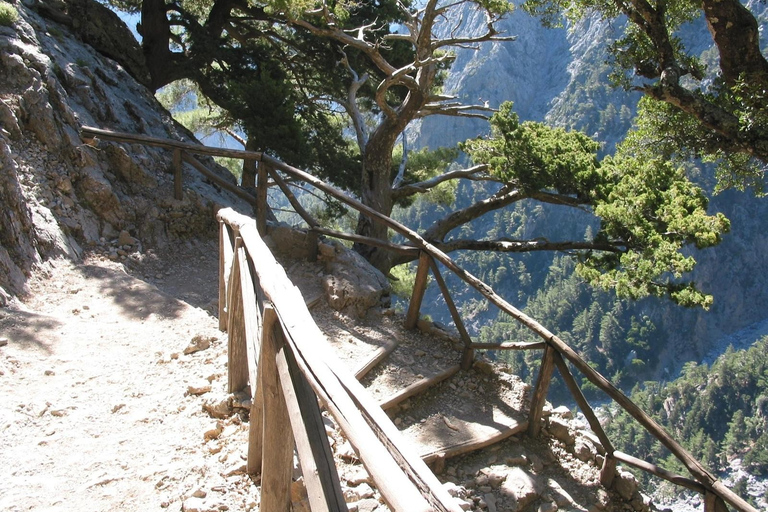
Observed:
{"x":59,"y":194}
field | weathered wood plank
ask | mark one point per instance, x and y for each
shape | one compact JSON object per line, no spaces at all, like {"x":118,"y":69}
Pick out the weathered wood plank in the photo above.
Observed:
{"x":256,"y":417}
{"x":277,"y":460}
{"x":251,"y":318}
{"x":226,"y":255}
{"x":475,"y":444}
{"x":375,"y":358}
{"x":419,"y":288}
{"x":540,"y":391}
{"x":315,"y":454}
{"x":237,"y":350}
{"x":418,"y":387}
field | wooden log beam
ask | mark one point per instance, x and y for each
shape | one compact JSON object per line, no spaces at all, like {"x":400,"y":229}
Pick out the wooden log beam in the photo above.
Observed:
{"x":511,"y":345}
{"x":660,"y":472}
{"x":90,"y":132}
{"x":218,"y":180}
{"x":277,"y":459}
{"x":418,"y":387}
{"x":300,"y":210}
{"x":419,"y":288}
{"x":377,"y":357}
{"x":315,"y":454}
{"x":582,"y":402}
{"x":402,"y":249}
{"x":468,"y":355}
{"x":251,"y":317}
{"x":539,"y":397}
{"x":226,"y":256}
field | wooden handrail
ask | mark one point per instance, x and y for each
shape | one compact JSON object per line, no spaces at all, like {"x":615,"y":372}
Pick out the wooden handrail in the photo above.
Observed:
{"x":706,"y":482}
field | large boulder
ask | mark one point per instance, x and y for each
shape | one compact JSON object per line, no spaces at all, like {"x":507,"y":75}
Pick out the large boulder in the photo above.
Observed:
{"x":352,"y":285}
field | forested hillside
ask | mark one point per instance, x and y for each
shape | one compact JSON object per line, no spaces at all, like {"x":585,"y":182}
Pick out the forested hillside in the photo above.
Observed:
{"x":720,"y":412}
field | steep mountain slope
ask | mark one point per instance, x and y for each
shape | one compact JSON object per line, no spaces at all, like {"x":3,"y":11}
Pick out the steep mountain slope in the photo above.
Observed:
{"x":560,"y":76}
{"x":59,"y":194}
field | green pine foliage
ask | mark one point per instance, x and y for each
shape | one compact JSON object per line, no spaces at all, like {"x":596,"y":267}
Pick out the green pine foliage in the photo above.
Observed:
{"x":718,"y":413}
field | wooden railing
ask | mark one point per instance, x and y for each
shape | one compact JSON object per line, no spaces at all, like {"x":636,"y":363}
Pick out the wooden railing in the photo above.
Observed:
{"x":297,"y":337}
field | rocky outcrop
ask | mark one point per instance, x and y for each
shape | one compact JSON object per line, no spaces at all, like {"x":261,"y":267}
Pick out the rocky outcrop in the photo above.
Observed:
{"x":58,"y":194}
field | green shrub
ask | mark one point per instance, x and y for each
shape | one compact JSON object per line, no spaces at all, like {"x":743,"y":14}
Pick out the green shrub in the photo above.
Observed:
{"x":8,"y":14}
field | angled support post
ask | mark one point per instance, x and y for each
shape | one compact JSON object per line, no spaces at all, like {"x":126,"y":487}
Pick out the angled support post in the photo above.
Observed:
{"x":540,"y":391}
{"x":468,"y":355}
{"x":261,"y":198}
{"x":419,"y":288}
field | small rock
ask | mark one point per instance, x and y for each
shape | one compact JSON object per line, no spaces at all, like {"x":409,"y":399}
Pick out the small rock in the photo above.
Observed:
{"x":200,"y":493}
{"x":238,"y":468}
{"x":490,"y":502}
{"x":563,"y":411}
{"x":199,"y":388}
{"x":496,"y":477}
{"x":559,"y":495}
{"x":213,"y":433}
{"x":3,"y":342}
{"x":59,"y":413}
{"x":523,"y":486}
{"x":559,"y":428}
{"x":453,"y":489}
{"x":584,"y":451}
{"x":49,"y":372}
{"x":464,"y":504}
{"x":218,"y":406}
{"x":483,"y":367}
{"x":125,"y":238}
{"x":360,"y":492}
{"x":197,"y":344}
{"x":625,"y":484}
{"x":359,"y":476}
{"x":367,"y":505}
{"x":346,"y":452}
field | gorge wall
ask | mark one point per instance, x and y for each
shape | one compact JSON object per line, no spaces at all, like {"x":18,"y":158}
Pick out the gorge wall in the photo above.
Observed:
{"x":59,"y":195}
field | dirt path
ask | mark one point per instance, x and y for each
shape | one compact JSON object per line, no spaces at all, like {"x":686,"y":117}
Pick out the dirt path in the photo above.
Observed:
{"x":95,"y":412}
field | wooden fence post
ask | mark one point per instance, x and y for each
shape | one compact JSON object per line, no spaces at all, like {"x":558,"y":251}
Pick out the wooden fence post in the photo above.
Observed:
{"x":422,"y":273}
{"x":540,"y":391}
{"x":261,"y":199}
{"x":178,"y":191}
{"x":277,"y":448}
{"x":237,"y":349}
{"x":256,"y":417}
{"x":315,"y":455}
{"x":225,"y":267}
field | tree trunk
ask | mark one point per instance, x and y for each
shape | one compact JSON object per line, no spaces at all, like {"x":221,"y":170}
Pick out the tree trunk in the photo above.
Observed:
{"x":376,"y":192}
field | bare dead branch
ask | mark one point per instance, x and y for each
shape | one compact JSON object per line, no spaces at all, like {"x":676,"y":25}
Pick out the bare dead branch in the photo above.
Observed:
{"x":475,"y":173}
